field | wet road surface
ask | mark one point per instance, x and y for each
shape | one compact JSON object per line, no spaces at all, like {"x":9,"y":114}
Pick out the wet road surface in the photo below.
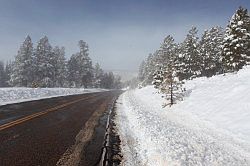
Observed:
{"x":40,"y":132}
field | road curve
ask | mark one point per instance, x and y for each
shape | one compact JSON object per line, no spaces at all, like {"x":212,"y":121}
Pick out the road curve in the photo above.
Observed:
{"x":40,"y":132}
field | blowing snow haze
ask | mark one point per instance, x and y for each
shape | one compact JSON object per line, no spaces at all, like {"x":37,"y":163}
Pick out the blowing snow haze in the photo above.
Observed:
{"x":120,"y":34}
{"x":125,"y":82}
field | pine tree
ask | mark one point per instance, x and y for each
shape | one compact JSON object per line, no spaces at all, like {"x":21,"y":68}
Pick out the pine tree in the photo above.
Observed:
{"x":166,"y":57}
{"x":180,"y":66}
{"x":2,"y":74}
{"x":210,"y":51}
{"x":86,"y":64}
{"x":158,"y":77}
{"x":236,"y":42}
{"x":148,"y":71}
{"x":44,"y":63}
{"x":8,"y":71}
{"x":172,"y":86}
{"x":141,"y":73}
{"x":23,"y":65}
{"x":166,"y":78}
{"x":107,"y":81}
{"x":152,"y":62}
{"x":117,"y":82}
{"x":98,"y":74}
{"x":74,"y":72}
{"x":80,"y":67}
{"x":168,"y":51}
{"x":59,"y":67}
{"x":190,"y":56}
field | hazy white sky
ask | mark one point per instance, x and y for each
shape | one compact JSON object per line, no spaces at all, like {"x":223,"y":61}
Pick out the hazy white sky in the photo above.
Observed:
{"x":120,"y":33}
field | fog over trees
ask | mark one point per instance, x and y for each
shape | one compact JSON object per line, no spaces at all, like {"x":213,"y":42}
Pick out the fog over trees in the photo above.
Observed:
{"x":47,"y":66}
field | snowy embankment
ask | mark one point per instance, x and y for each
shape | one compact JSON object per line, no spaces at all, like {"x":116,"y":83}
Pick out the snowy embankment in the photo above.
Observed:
{"x":210,"y":127}
{"x":16,"y":95}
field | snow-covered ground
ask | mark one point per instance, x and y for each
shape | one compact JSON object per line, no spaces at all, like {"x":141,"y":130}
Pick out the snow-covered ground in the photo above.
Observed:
{"x":16,"y":95}
{"x":210,"y":127}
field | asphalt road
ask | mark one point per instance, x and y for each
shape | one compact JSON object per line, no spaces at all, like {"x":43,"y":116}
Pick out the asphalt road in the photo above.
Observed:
{"x":53,"y":131}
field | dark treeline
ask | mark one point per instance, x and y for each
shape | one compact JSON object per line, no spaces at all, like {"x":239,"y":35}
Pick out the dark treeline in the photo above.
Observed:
{"x":46,"y":66}
{"x":218,"y":51}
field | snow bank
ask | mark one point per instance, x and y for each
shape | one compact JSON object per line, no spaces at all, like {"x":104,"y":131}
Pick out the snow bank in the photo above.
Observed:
{"x":223,"y":101}
{"x":15,"y":95}
{"x":210,"y":127}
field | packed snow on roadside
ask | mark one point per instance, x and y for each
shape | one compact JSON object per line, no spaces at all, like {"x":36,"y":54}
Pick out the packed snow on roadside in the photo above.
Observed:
{"x":211,"y":126}
{"x":16,"y":95}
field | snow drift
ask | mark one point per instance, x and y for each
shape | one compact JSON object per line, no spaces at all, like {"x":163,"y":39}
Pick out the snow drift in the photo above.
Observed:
{"x":211,"y":126}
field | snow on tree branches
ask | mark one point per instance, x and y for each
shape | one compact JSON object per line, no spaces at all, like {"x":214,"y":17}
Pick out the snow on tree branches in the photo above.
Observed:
{"x":46,"y":66}
{"x":236,"y":44}
{"x":22,"y":73}
{"x":165,"y":77}
{"x":217,"y":52}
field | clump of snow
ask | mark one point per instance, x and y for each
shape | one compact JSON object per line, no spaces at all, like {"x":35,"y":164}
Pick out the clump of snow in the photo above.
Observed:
{"x":210,"y":127}
{"x":15,"y":95}
{"x":240,"y":23}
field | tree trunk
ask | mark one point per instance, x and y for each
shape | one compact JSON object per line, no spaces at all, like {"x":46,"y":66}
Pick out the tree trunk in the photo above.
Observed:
{"x":171,"y":92}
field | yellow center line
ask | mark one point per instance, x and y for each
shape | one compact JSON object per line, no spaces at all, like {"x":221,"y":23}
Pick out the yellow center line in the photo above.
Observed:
{"x":32,"y":116}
